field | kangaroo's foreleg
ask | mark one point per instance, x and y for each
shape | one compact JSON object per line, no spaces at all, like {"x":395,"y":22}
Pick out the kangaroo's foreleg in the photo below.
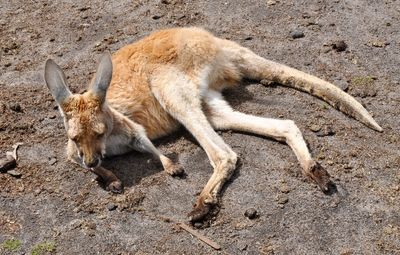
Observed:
{"x":222,"y":117}
{"x":135,"y":135}
{"x":110,"y":180}
{"x":107,"y":177}
{"x":142,"y":143}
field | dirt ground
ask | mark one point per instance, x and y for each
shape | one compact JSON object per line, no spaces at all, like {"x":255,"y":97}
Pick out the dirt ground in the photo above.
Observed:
{"x":56,"y":207}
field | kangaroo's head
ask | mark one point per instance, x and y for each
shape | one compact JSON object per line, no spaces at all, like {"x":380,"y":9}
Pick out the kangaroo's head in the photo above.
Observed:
{"x":87,"y":118}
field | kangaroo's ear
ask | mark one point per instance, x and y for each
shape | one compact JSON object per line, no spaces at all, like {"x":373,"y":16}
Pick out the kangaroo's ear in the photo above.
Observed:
{"x":55,"y":81}
{"x":103,"y":76}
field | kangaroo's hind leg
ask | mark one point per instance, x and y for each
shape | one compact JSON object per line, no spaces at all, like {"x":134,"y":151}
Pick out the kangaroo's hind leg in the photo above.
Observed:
{"x":180,"y":96}
{"x":222,"y":117}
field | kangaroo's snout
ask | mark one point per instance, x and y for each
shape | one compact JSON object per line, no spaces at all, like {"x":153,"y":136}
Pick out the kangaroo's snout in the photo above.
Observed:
{"x":92,"y":162}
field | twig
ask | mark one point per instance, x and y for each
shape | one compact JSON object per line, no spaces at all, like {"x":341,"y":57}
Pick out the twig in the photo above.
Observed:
{"x":187,"y":228}
{"x":199,"y":236}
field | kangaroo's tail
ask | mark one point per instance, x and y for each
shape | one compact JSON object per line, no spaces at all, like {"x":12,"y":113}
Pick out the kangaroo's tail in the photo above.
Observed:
{"x":255,"y":67}
{"x":331,"y":94}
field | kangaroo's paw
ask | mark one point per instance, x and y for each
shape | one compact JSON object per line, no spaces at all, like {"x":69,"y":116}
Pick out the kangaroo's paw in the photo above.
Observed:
{"x":173,"y":169}
{"x":115,"y":187}
{"x":320,"y":176}
{"x":108,"y":180}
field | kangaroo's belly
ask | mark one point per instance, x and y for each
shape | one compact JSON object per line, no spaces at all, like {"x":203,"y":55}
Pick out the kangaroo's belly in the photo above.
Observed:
{"x":132,"y":96}
{"x":147,"y":112}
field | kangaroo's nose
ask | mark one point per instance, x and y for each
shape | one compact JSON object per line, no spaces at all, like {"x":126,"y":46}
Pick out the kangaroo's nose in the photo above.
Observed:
{"x":93,"y":163}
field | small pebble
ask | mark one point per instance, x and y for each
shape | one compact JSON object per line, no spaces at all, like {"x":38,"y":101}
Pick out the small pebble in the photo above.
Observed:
{"x":354,"y":153}
{"x":16,"y":107}
{"x":251,"y":213}
{"x":378,"y":43}
{"x":333,"y":204}
{"x":315,"y":127}
{"x":14,"y":173}
{"x":296,"y":34}
{"x":243,"y":247}
{"x":282,"y":199}
{"x":348,"y":166}
{"x":52,"y":161}
{"x":339,"y":46}
{"x":52,"y":116}
{"x":111,"y":206}
{"x":156,"y":17}
{"x":198,"y":224}
{"x":77,"y":209}
{"x":284,"y":188}
{"x":325,"y":131}
{"x":102,"y":217}
{"x":326,"y":49}
{"x":74,"y":224}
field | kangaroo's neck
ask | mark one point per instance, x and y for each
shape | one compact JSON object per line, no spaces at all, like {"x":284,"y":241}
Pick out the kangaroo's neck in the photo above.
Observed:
{"x":121,"y":125}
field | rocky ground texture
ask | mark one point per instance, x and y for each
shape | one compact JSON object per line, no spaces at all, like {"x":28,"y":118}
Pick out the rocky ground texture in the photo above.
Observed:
{"x":52,"y":206}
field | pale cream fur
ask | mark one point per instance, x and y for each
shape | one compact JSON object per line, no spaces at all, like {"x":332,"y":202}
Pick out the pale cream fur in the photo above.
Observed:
{"x":170,"y":78}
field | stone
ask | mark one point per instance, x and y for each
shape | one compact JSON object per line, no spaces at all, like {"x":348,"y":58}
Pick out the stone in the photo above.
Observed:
{"x":251,"y":213}
{"x":296,"y":34}
{"x":14,"y":173}
{"x":339,"y":46}
{"x":111,"y":206}
{"x":52,"y":161}
{"x":16,"y":107}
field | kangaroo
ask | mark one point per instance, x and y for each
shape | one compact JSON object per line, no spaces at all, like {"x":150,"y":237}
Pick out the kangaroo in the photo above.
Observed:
{"x":174,"y":77}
